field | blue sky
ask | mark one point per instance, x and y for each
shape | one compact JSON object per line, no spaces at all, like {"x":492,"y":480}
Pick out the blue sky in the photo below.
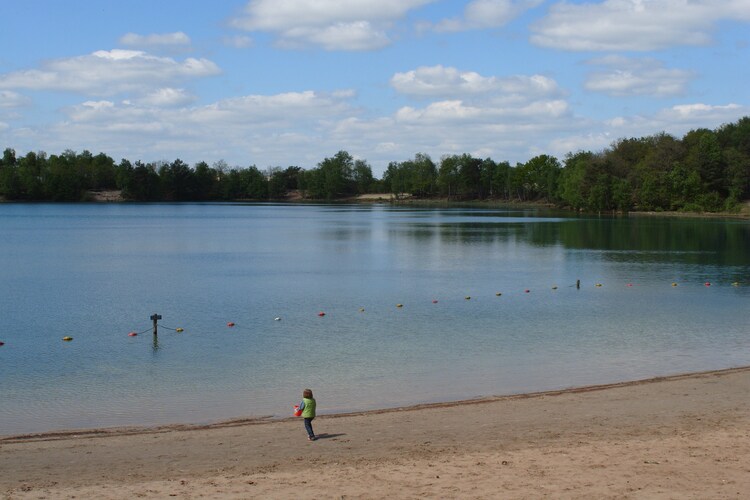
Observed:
{"x":290,"y":82}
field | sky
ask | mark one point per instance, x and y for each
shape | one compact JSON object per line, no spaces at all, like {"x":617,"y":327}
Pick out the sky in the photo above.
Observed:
{"x":276,"y":83}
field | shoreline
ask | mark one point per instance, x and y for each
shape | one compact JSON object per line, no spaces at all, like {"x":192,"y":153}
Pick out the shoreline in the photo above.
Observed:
{"x":110,"y":197}
{"x":102,"y":432}
{"x":683,"y":436}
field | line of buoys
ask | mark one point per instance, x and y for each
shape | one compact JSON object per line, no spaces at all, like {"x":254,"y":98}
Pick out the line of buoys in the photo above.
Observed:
{"x":67,"y":339}
{"x":434,"y":301}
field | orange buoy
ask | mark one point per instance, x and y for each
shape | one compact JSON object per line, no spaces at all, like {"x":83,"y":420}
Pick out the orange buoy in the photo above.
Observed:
{"x":230,"y":324}
{"x":132,"y":334}
{"x":399,"y":305}
{"x":179,"y":330}
{"x":67,"y":339}
{"x":497,"y":294}
{"x":707,"y":283}
{"x":321,"y":314}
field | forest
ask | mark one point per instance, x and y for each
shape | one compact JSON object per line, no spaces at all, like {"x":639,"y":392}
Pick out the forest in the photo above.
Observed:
{"x":706,"y":170}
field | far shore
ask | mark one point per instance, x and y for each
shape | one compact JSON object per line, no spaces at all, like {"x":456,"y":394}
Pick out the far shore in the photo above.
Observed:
{"x":683,"y":436}
{"x":295,"y":197}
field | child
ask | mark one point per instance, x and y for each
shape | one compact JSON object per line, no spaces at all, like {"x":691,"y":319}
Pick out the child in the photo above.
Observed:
{"x":308,"y":412}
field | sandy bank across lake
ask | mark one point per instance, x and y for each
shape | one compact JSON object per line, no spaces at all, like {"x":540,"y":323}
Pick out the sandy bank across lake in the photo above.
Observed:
{"x":678,"y":437}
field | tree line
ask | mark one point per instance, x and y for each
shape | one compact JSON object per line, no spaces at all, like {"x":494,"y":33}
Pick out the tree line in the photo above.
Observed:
{"x":706,"y":170}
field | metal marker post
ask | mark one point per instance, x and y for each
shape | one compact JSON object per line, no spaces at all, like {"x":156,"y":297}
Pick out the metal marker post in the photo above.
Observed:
{"x":155,"y":318}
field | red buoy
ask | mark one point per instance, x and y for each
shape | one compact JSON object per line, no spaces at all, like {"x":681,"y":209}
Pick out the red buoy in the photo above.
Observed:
{"x":526,"y":291}
{"x":230,"y":324}
{"x":629,"y":284}
{"x":707,"y":283}
{"x":321,"y":314}
{"x":132,"y":334}
{"x":434,"y":301}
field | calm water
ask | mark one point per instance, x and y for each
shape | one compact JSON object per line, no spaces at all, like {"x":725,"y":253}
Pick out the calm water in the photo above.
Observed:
{"x":97,"y":272}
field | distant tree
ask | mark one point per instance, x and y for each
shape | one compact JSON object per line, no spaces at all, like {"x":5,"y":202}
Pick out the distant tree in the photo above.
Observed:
{"x":177,"y":181}
{"x":362,"y":177}
{"x":449,"y":176}
{"x":10,"y":185}
{"x":254,"y":183}
{"x":33,"y":175}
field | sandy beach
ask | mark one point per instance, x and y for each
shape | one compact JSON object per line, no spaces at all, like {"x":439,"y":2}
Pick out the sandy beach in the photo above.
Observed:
{"x":686,"y":436}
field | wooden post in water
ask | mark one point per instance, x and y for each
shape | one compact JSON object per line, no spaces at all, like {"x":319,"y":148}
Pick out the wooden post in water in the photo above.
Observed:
{"x":155,"y":318}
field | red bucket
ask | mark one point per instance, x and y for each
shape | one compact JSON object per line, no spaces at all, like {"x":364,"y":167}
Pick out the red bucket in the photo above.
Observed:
{"x":297,"y":411}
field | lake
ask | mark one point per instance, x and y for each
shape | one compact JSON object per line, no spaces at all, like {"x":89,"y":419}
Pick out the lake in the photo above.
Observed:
{"x":488,"y":302}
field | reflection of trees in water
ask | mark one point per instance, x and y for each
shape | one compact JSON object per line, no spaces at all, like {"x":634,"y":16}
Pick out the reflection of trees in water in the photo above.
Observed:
{"x":624,"y":240}
{"x":650,"y":240}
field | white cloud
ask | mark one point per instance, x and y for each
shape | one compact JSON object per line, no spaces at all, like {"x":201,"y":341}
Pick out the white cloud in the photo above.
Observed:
{"x":482,"y":14}
{"x":358,"y":36}
{"x":281,"y":129}
{"x":238,"y":41}
{"x":177,"y":39}
{"x":105,"y":73}
{"x":676,"y":120}
{"x":330,"y":24}
{"x":635,"y":25}
{"x":167,"y":96}
{"x":625,"y":76}
{"x":10,"y":99}
{"x":449,"y":82}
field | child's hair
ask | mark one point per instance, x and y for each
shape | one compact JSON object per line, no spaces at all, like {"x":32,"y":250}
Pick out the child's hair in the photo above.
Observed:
{"x":307,"y":393}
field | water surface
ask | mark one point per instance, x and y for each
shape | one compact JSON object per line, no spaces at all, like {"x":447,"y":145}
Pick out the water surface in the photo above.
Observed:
{"x":97,"y":272}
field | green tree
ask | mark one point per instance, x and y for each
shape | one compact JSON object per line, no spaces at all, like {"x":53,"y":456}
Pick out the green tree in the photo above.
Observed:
{"x":362,"y":177}
{"x":255,"y":183}
{"x":32,"y":175}
{"x":449,"y":176}
{"x":205,"y":182}
{"x":177,"y":181}
{"x":572,"y":180}
{"x":10,"y":184}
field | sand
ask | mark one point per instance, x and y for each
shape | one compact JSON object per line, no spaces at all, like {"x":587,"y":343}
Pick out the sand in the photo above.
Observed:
{"x":678,"y":437}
